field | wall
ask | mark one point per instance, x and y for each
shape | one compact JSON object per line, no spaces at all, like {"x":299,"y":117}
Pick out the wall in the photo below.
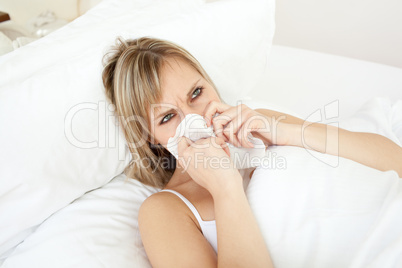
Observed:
{"x":23,"y":10}
{"x":363,"y":29}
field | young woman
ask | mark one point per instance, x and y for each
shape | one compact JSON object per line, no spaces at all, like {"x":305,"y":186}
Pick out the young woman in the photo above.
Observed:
{"x":202,"y":217}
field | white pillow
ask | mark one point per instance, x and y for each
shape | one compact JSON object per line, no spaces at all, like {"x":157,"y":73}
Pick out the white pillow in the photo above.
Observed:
{"x":232,"y":40}
{"x":99,"y":229}
{"x":56,"y":80}
{"x":378,"y":115}
{"x":6,"y":44}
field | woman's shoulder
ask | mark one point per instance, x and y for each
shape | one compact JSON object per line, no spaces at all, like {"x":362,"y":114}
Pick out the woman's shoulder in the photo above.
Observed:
{"x":162,"y":214}
{"x":161,"y":206}
{"x":160,"y":201}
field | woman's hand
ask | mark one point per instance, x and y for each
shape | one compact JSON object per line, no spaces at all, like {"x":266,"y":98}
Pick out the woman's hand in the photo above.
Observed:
{"x":234,"y":124}
{"x":208,"y":163}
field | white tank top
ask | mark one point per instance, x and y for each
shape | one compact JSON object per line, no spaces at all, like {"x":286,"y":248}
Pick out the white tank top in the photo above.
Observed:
{"x":208,"y":228}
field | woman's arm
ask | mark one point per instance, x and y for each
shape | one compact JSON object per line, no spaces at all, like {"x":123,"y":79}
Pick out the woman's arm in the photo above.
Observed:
{"x":369,"y":149}
{"x":234,"y":123}
{"x":240,"y":242}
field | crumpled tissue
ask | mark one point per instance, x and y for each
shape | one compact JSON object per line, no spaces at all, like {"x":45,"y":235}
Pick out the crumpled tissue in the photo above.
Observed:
{"x":194,"y":127}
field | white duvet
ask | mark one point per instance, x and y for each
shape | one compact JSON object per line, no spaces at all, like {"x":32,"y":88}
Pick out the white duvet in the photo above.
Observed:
{"x":313,"y":215}
{"x":317,"y":214}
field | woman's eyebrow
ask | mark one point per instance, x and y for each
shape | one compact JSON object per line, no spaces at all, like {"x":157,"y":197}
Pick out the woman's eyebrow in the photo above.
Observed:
{"x":171,"y":110}
{"x":192,"y":88}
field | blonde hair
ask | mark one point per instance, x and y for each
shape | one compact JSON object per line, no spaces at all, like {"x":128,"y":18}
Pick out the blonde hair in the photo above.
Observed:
{"x":131,"y":77}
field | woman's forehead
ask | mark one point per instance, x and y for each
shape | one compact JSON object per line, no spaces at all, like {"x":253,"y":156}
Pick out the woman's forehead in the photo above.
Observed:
{"x":176,"y":79}
{"x":174,"y":72}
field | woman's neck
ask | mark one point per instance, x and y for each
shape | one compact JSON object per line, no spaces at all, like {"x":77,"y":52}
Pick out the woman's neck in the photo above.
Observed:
{"x":179,"y":177}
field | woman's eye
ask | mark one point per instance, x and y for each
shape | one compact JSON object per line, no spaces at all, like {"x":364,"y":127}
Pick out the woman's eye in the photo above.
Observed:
{"x":166,"y":118}
{"x":197,"y":92}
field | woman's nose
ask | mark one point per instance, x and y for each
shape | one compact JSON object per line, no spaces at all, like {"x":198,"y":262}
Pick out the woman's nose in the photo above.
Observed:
{"x":192,"y":110}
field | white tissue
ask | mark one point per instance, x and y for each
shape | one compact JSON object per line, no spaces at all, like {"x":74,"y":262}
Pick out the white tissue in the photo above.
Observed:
{"x":194,"y":127}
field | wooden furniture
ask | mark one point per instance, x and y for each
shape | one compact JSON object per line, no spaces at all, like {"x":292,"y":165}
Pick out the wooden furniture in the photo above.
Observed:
{"x":4,"y":16}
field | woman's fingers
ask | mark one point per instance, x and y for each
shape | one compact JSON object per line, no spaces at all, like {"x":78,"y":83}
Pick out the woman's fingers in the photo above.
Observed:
{"x":231,"y":129}
{"x":243,"y":133}
{"x":238,"y":115}
{"x":183,"y":144}
{"x":255,"y":123}
{"x":234,"y":124}
{"x":200,"y":145}
{"x":221,"y":142}
{"x":215,"y":142}
{"x":212,"y":108}
{"x":182,"y":148}
{"x":221,"y":121}
{"x":227,"y":114}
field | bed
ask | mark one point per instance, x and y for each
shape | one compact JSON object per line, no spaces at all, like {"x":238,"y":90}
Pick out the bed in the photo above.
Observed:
{"x":64,"y":201}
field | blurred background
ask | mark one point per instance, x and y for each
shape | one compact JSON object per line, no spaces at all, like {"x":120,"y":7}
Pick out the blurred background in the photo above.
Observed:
{"x":362,"y":29}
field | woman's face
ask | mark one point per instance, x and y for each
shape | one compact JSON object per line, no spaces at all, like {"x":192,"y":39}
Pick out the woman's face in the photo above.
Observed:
{"x":184,"y":91}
